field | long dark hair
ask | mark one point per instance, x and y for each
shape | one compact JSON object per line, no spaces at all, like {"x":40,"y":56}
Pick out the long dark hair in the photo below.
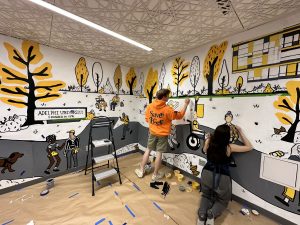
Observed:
{"x":218,"y":143}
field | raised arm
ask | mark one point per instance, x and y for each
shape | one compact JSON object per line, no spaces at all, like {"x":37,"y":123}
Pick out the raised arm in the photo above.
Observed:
{"x":179,"y":115}
{"x":241,"y":148}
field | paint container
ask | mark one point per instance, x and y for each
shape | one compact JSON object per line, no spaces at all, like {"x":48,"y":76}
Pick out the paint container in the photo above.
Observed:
{"x":176,"y":172}
{"x":168,"y":175}
{"x":180,"y":177}
{"x":195,"y":185}
{"x":181,"y":188}
{"x":49,"y":183}
{"x":188,"y":189}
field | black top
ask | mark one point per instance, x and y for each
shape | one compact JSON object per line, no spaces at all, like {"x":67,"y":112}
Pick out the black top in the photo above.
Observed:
{"x":217,"y":156}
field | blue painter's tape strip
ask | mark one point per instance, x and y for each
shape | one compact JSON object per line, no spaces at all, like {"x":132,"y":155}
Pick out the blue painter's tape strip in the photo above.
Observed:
{"x":110,"y":223}
{"x":7,"y":222}
{"x":136,"y":187}
{"x":129,"y":210}
{"x":157,"y":206}
{"x":100,"y":221}
{"x":116,"y":193}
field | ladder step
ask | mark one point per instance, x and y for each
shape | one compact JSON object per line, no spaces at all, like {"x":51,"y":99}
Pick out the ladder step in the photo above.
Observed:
{"x":101,"y":124}
{"x":103,"y":158}
{"x":104,"y":174}
{"x":102,"y":142}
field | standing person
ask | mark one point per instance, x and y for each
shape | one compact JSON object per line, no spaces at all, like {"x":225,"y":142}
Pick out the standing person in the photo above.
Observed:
{"x":72,"y":148}
{"x":159,"y":116}
{"x":215,"y":177}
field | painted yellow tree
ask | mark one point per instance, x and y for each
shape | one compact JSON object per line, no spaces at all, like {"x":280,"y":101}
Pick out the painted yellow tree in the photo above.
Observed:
{"x":239,"y":83}
{"x":212,"y":64}
{"x":131,"y":80}
{"x":118,"y":78}
{"x":25,"y":88}
{"x":151,"y":84}
{"x":81,"y":72}
{"x":289,"y":104}
{"x":179,"y":72}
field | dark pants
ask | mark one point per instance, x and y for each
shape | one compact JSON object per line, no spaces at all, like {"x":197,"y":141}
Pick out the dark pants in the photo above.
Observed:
{"x":71,"y":157}
{"x":113,"y":106}
{"x":52,"y":161}
{"x":215,"y":200}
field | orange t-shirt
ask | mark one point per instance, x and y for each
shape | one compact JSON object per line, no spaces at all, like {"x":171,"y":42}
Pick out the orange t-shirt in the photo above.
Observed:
{"x":159,"y":116}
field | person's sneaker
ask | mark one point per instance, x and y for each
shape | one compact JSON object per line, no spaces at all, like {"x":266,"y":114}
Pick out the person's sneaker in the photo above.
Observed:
{"x":200,"y":222}
{"x":55,"y":169}
{"x":210,"y":218}
{"x":139,"y":173}
{"x":47,"y":171}
{"x":157,"y":176}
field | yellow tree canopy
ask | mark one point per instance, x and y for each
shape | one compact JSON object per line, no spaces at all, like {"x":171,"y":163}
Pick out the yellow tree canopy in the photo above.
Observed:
{"x":118,"y":78}
{"x":11,"y":76}
{"x":81,"y":72}
{"x":32,"y":49}
{"x":18,"y":91}
{"x":43,"y":72}
{"x":131,"y":78}
{"x":16,"y":102}
{"x":51,"y":85}
{"x":151,"y":82}
{"x":213,"y":52}
{"x":239,"y":82}
{"x":287,"y":103}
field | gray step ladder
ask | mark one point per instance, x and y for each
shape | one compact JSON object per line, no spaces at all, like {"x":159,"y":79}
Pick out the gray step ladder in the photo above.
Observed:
{"x":102,"y":122}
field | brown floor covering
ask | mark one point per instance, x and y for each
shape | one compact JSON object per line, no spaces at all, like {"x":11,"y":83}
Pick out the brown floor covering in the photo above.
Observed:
{"x":82,"y":209}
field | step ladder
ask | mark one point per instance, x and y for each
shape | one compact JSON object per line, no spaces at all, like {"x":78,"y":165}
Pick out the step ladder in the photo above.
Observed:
{"x":104,"y":123}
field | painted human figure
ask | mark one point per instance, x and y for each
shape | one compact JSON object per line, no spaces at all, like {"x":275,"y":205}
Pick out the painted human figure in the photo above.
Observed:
{"x":288,"y":193}
{"x":71,"y":150}
{"x":114,"y":102}
{"x":101,"y":103}
{"x":234,"y":135}
{"x":125,"y":120}
{"x":52,"y":153}
{"x":172,"y":139}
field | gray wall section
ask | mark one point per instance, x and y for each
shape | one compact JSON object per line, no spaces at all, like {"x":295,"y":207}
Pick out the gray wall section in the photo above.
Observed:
{"x":245,"y":174}
{"x":35,"y":160}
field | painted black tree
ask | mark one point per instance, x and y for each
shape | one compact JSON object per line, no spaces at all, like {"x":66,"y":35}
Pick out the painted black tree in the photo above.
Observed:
{"x":179,"y":72}
{"x":289,"y":104}
{"x":97,"y":74}
{"x":25,"y":89}
{"x":223,"y":79}
{"x":212,"y":64}
{"x":81,"y":72}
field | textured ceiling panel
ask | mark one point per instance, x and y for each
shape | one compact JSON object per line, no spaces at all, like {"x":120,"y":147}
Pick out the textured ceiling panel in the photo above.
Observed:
{"x":167,"y":26}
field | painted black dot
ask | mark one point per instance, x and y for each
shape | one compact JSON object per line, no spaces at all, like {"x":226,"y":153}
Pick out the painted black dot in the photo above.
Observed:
{"x":256,"y":123}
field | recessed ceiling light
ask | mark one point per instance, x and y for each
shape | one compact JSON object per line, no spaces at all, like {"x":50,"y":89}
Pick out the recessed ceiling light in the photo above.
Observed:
{"x":88,"y":23}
